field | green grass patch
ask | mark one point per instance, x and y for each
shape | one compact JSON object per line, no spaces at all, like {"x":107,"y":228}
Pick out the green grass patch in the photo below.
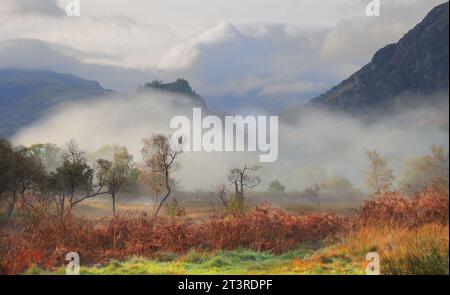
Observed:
{"x":240,"y":261}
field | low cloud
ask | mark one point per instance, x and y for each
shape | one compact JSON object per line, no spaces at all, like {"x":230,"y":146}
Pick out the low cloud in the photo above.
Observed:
{"x":318,"y":141}
{"x":275,"y":90}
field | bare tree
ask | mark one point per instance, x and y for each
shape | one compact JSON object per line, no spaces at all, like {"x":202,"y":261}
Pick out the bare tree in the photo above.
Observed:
{"x":160,"y":157}
{"x":73,"y":182}
{"x":114,"y":175}
{"x":221,"y":193}
{"x":77,"y":173}
{"x":240,"y":178}
{"x":380,"y":177}
{"x":57,"y":188}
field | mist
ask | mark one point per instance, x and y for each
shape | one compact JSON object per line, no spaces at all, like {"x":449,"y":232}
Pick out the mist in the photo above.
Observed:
{"x":318,"y":144}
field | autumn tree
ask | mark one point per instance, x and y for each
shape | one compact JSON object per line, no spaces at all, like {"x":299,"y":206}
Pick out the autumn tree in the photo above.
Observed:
{"x":380,"y":176}
{"x":21,"y":173}
{"x":429,"y":170}
{"x":160,"y":159}
{"x":114,"y":175}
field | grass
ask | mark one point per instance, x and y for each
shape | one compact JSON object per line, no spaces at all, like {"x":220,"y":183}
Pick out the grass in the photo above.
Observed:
{"x":423,"y":250}
{"x":240,"y":261}
{"x":101,"y":207}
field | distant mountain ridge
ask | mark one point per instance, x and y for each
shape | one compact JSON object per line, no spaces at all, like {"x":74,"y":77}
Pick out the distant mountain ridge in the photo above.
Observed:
{"x":417,"y":65}
{"x":180,"y":86}
{"x":26,"y":95}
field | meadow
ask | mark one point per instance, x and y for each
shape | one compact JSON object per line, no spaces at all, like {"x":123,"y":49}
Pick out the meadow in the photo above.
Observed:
{"x":411,"y":236}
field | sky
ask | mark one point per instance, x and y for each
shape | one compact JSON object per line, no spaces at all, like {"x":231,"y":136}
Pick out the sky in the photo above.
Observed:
{"x":239,"y":55}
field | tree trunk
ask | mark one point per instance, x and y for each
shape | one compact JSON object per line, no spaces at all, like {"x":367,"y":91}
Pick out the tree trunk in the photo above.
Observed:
{"x":242,"y":185}
{"x":61,"y":214}
{"x":165,"y":197}
{"x":71,"y":198}
{"x":241,"y":196}
{"x":236,"y":188}
{"x":114,"y":203}
{"x":162,"y":202}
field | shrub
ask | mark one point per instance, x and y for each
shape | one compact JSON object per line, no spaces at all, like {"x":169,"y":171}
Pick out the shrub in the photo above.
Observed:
{"x":396,"y":210}
{"x":98,"y":241}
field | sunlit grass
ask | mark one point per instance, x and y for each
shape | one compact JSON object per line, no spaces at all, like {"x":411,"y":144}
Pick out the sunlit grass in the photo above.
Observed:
{"x":239,"y":261}
{"x":423,"y":250}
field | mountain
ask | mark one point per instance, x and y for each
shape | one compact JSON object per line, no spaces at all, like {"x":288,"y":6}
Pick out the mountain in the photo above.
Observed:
{"x":407,"y":72}
{"x":26,"y":95}
{"x":180,"y":86}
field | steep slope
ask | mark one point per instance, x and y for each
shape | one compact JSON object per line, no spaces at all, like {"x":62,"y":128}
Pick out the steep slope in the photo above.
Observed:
{"x":25,"y":96}
{"x":415,"y":66}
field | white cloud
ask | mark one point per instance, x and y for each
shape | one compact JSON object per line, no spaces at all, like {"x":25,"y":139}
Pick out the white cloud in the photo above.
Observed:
{"x":250,"y":62}
{"x":358,"y":38}
{"x":49,"y":8}
{"x":184,"y":55}
{"x":105,"y":39}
